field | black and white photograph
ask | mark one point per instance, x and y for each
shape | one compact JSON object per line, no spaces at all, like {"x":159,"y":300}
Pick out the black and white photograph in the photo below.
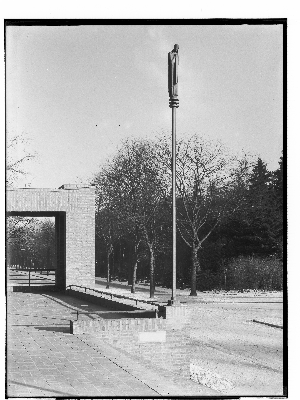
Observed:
{"x":146,"y":222}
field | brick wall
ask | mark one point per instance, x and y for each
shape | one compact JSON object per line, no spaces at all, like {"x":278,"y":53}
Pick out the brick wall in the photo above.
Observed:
{"x":107,"y":327}
{"x":80,"y":237}
{"x":172,"y":354}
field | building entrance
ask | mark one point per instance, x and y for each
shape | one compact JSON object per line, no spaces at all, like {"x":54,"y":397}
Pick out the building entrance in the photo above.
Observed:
{"x":72,"y":207}
{"x":36,"y":250}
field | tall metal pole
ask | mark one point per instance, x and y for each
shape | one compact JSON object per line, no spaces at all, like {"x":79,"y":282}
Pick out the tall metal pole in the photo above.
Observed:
{"x":173,"y":62}
{"x":173,"y":298}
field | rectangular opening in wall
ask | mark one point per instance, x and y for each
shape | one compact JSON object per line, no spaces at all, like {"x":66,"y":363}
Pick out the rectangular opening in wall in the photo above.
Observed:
{"x":31,"y":253}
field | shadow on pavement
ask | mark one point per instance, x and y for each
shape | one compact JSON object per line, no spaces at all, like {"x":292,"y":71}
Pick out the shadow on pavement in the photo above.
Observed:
{"x":39,"y":388}
{"x":61,"y":329}
{"x":69,"y":302}
{"x":35,"y":289}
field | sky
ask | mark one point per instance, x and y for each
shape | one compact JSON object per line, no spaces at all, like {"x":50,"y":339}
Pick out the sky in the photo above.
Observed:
{"x":78,"y":91}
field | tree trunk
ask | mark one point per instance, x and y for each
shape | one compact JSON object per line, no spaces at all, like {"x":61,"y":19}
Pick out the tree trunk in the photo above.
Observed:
{"x":135,"y":264}
{"x":121,"y":260}
{"x":107,"y":286}
{"x":152,"y":263}
{"x":195,"y":266}
{"x":134,"y":277}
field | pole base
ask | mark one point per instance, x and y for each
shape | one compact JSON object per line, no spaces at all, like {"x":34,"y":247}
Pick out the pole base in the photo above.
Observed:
{"x":173,"y":302}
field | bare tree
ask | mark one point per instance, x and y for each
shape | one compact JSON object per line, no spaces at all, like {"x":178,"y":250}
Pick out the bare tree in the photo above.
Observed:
{"x":17,"y":154}
{"x":107,"y":219}
{"x":208,"y":183}
{"x":135,"y":194}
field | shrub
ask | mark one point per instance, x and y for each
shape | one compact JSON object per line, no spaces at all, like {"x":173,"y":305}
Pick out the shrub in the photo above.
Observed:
{"x":255,"y":273}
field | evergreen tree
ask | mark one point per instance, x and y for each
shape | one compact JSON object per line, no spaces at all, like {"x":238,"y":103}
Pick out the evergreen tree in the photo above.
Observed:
{"x":278,"y":204}
{"x":255,"y":228}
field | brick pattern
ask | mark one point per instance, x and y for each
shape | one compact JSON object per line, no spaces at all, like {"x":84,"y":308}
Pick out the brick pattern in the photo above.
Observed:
{"x":123,"y":334}
{"x":176,"y":351}
{"x":78,"y":202}
{"x":43,"y":360}
{"x":108,"y":326}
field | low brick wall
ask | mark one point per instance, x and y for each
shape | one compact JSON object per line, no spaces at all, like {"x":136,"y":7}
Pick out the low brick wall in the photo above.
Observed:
{"x":159,"y":345}
{"x":108,"y":326}
{"x":158,"y":341}
{"x":172,"y":317}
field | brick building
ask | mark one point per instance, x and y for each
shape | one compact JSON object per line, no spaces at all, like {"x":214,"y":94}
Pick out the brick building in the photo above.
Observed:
{"x":73,"y":207}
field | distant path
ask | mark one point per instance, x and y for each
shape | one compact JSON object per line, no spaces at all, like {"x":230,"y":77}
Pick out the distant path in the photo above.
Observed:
{"x":139,"y":287}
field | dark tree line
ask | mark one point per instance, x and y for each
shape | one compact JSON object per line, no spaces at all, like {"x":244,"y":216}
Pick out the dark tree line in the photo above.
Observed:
{"x":31,"y":243}
{"x":228,"y":209}
{"x":230,"y":215}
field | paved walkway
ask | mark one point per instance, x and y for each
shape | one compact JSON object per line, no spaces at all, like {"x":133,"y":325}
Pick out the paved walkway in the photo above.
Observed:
{"x":223,"y":338}
{"x":43,"y":359}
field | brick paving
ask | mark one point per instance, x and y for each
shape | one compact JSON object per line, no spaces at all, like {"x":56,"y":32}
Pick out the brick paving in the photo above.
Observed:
{"x":43,"y":359}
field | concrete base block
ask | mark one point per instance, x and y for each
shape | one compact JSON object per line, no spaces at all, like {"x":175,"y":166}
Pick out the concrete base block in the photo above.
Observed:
{"x":174,"y":310}
{"x":176,"y":315}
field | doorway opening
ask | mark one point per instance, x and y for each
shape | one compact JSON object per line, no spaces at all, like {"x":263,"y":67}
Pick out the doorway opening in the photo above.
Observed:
{"x":35,"y":252}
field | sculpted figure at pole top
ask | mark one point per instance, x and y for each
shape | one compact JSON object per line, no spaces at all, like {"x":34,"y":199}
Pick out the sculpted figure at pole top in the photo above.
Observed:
{"x":173,"y":62}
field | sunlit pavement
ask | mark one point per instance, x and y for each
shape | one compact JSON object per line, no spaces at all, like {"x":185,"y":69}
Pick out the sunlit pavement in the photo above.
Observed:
{"x":248,"y":354}
{"x":222,"y":338}
{"x":43,"y":359}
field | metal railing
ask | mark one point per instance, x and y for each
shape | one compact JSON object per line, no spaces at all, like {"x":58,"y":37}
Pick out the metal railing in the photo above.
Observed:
{"x":36,"y":280}
{"x":115,"y":295}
